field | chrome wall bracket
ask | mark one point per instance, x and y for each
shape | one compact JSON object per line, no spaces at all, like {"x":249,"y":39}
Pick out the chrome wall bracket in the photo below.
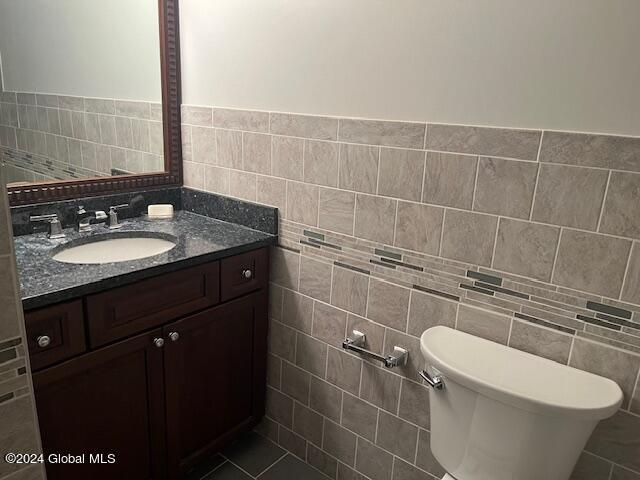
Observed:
{"x":356,"y":342}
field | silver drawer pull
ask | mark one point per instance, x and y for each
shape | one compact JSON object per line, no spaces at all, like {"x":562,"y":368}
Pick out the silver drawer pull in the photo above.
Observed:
{"x":43,"y":341}
{"x":247,"y":274}
{"x":434,"y":382}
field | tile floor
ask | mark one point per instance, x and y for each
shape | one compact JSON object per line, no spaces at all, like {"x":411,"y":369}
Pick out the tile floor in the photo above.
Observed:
{"x":254,"y":457}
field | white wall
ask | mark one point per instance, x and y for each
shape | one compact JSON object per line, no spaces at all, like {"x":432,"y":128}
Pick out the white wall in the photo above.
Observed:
{"x":92,"y":48}
{"x":555,"y":64}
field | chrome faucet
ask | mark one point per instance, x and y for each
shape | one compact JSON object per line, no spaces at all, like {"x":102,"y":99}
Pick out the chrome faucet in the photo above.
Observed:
{"x":55,"y":227}
{"x":84,"y":217}
{"x":112,"y":219}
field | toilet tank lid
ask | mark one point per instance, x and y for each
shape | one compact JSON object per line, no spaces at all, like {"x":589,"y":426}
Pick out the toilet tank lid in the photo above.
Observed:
{"x":518,"y":378}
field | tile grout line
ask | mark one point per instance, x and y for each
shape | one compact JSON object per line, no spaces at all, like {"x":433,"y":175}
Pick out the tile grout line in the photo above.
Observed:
{"x":626,"y":270}
{"x":604,"y":201}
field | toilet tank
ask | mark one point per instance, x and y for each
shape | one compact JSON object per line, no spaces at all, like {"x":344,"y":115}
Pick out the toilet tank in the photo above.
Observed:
{"x":504,"y":414}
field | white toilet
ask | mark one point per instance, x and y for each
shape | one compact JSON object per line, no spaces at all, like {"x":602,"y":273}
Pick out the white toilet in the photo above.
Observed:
{"x":501,"y":414}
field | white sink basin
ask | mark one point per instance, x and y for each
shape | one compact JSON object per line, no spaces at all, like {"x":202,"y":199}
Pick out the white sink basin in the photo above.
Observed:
{"x":110,"y":250}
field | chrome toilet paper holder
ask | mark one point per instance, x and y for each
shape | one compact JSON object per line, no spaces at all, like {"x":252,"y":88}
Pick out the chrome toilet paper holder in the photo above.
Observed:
{"x":356,"y":342}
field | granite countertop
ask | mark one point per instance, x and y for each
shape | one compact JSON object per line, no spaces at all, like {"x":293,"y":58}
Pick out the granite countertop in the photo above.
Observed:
{"x":199,"y":239}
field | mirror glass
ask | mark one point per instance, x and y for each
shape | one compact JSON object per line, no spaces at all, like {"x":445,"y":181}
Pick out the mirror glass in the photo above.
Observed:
{"x":81,"y":89}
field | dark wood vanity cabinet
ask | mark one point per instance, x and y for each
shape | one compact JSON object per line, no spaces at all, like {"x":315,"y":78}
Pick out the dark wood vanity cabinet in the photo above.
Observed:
{"x":165,"y":399}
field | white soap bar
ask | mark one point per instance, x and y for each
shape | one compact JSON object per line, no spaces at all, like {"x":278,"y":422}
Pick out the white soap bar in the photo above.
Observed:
{"x":160,"y":211}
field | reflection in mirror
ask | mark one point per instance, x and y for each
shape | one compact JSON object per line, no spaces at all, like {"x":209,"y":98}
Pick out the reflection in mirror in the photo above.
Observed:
{"x":80,"y":89}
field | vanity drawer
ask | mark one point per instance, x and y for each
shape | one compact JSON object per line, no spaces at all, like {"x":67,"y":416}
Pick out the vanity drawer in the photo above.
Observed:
{"x":55,"y":333}
{"x":133,"y":308}
{"x":244,"y":273}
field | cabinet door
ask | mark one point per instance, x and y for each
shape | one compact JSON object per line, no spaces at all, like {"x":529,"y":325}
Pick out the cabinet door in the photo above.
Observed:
{"x":214,"y":377}
{"x":110,"y":401}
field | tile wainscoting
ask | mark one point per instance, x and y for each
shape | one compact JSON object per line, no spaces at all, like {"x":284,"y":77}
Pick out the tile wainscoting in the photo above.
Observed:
{"x":92,"y":133}
{"x":18,"y":427}
{"x":525,"y":237}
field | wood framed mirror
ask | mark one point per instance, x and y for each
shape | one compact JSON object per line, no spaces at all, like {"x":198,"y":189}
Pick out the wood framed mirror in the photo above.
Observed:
{"x":81,"y":113}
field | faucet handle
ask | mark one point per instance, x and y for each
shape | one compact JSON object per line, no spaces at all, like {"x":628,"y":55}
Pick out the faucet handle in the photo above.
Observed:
{"x":81,"y":210}
{"x":55,"y":227}
{"x":115,"y":208}
{"x":112,"y":221}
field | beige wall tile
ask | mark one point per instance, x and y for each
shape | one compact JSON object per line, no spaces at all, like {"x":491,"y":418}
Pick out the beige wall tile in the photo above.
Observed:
{"x":569,"y":196}
{"x":339,"y":442}
{"x":405,"y":471}
{"x":321,"y":461}
{"x":380,"y":387}
{"x":349,"y":290}
{"x":505,"y":187}
{"x":540,"y":341}
{"x":302,"y":203}
{"x":19,"y":434}
{"x":591,"y":262}
{"x":307,"y":423}
{"x":604,"y":151}
{"x":99,"y":105}
{"x":419,"y":227}
{"x":483,"y":323}
{"x":414,"y":403}
{"x":71,"y":103}
{"x":156,"y":138}
{"x":107,"y":129}
{"x":256,"y":151}
{"x":449,"y":179}
{"x":359,"y":416}
{"x":307,"y":126}
{"x":187,"y":144}
{"x":9,"y":325}
{"x":378,"y":132}
{"x":401,"y":173}
{"x":311,"y":354}
{"x":375,"y":218}
{"x":274,"y":371}
{"x":388,"y":304}
{"x":526,"y":248}
{"x":618,"y":439}
{"x":272,"y":191}
{"x":373,"y":462}
{"x":229,"y":148}
{"x":295,"y":382}
{"x":315,"y":278}
{"x":92,"y":126}
{"x":201,"y":116}
{"x":359,"y":168}
{"x":426,"y":311}
{"x":193,"y":174}
{"x":343,"y":370}
{"x":203,"y":145}
{"x":292,"y":442}
{"x":495,"y":142}
{"x":620,"y":473}
{"x":326,"y":399}
{"x":297,"y":311}
{"x":397,"y":436}
{"x":468,"y":237}
{"x":279,"y":407}
{"x":128,"y":108}
{"x":216,"y":180}
{"x":287,"y":160}
{"x":247,"y":120}
{"x":337,"y":210}
{"x":285,"y":267}
{"x":329,"y":324}
{"x":282,"y":341}
{"x":631,"y":289}
{"x":242,"y":185}
{"x":621,"y":207}
{"x":374,"y":333}
{"x":321,"y":163}
{"x":609,"y":362}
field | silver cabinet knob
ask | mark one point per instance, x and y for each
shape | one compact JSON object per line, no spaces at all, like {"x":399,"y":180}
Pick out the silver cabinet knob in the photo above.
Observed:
{"x":158,"y":342}
{"x":43,"y":341}
{"x":247,"y":273}
{"x":174,"y":336}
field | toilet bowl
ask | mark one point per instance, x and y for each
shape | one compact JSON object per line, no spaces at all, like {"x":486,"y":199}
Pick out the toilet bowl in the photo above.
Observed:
{"x":503,"y":414}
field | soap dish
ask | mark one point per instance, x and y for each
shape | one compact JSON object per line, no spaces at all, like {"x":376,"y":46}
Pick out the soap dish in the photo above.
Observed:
{"x":160,"y":212}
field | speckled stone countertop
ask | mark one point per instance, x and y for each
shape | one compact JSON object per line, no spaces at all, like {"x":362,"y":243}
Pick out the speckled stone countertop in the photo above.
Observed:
{"x":199,"y":239}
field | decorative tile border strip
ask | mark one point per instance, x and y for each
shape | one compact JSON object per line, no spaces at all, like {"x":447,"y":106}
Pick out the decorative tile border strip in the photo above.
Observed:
{"x":527,"y":300}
